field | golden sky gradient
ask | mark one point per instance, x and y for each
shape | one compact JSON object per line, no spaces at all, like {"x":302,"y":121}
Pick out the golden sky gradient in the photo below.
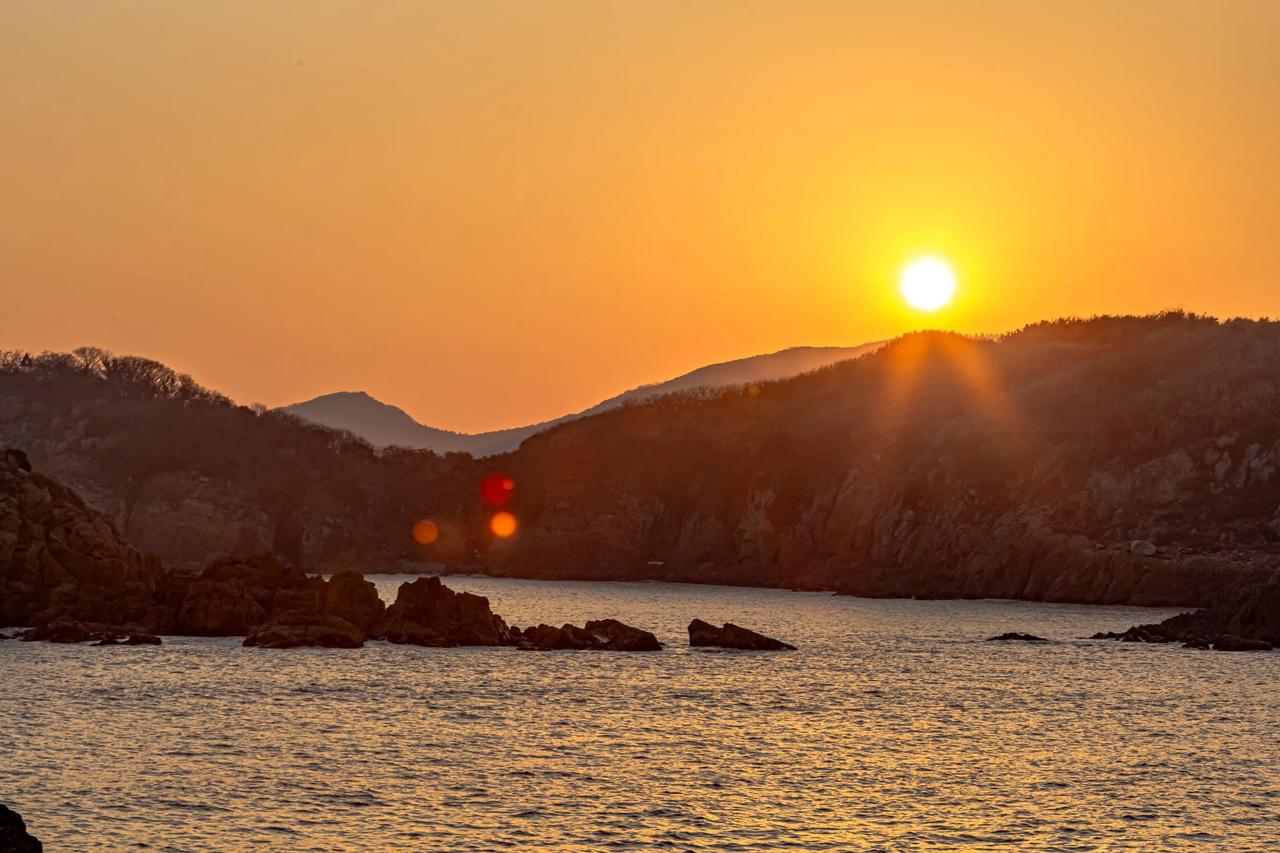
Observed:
{"x":492,"y":213}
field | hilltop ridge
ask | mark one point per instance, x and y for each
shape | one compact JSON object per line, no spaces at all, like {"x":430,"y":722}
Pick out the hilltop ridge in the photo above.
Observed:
{"x":384,"y":425}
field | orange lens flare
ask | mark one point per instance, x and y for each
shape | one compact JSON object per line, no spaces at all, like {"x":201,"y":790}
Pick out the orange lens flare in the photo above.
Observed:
{"x":425,"y":532}
{"x":503,"y":524}
{"x":496,"y":489}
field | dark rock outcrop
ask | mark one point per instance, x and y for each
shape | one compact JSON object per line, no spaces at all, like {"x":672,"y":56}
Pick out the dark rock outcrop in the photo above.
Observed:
{"x":14,"y":837}
{"x":1247,"y":619}
{"x":328,"y":632}
{"x":732,"y":636}
{"x":62,"y":561}
{"x":348,"y":596}
{"x":131,"y":640}
{"x":1232,"y":643}
{"x":276,"y":605}
{"x":624,"y":638}
{"x":597,"y":635}
{"x":65,"y":571}
{"x":65,"y":631}
{"x":428,"y":613}
{"x":234,"y":595}
{"x":1014,"y":636}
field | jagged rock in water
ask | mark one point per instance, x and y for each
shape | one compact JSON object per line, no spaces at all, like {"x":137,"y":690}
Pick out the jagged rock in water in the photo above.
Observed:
{"x":338,"y":613}
{"x":597,"y":635}
{"x":62,"y":561}
{"x":14,"y":837}
{"x":1248,"y":619}
{"x":329,"y":632}
{"x":131,"y":640}
{"x":1014,"y":636}
{"x":64,"y":631}
{"x":732,"y":636}
{"x":1232,"y":643}
{"x":233,"y":595}
{"x":624,"y":638}
{"x":350,"y":597}
{"x":428,"y":613}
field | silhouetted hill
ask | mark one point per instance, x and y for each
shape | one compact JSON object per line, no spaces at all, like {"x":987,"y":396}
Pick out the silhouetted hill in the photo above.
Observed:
{"x":1023,"y":467}
{"x":384,"y":425}
{"x":1119,"y":459}
{"x":186,"y":474}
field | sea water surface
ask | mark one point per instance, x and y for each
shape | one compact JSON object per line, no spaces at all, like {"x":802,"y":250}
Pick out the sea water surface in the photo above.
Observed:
{"x":894,"y":727}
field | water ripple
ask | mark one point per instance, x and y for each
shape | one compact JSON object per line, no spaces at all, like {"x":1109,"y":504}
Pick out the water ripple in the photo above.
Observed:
{"x":895,"y":727}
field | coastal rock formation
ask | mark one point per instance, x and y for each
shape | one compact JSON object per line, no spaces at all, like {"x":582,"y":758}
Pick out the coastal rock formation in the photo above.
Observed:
{"x":302,"y":610}
{"x":1248,"y":619}
{"x":66,"y":571}
{"x":61,"y":561}
{"x":1233,"y":643}
{"x":99,"y":635}
{"x":234,"y":595}
{"x":597,"y":635}
{"x":348,"y":596}
{"x":328,"y":632}
{"x":14,"y":837}
{"x":731,"y":636}
{"x":276,"y":605}
{"x":624,"y":638}
{"x":428,"y":613}
{"x":1015,"y":637}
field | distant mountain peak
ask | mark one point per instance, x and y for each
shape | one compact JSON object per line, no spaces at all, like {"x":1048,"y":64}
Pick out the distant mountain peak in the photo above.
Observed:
{"x":384,"y":424}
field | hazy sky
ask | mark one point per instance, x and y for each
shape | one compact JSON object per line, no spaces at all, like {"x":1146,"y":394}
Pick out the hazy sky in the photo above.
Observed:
{"x":492,"y":213}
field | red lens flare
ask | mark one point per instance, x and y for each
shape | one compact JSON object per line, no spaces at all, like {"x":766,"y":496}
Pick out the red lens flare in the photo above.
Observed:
{"x":496,"y":489}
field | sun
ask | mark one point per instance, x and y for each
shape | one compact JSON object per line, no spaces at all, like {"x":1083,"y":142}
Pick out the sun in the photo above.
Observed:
{"x":927,"y":284}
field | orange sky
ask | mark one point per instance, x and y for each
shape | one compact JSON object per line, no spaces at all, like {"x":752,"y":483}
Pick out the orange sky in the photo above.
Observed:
{"x":494,"y":213}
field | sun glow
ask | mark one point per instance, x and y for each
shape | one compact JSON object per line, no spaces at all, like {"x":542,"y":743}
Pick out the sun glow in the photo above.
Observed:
{"x":927,"y":284}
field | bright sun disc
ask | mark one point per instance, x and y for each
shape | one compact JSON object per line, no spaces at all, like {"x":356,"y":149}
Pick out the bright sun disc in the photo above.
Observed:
{"x":927,"y":284}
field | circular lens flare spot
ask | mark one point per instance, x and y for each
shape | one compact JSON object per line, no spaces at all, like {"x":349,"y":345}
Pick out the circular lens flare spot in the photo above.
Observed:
{"x":503,"y":524}
{"x":496,"y":489}
{"x":425,"y":532}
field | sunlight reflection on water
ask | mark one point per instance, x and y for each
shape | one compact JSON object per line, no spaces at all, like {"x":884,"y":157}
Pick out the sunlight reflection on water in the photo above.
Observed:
{"x":894,"y":726}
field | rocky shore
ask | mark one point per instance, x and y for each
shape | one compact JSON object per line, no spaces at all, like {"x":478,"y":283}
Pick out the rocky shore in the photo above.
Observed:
{"x":68,"y":574}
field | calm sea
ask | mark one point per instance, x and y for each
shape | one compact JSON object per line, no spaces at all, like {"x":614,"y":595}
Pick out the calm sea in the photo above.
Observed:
{"x":894,"y":727}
